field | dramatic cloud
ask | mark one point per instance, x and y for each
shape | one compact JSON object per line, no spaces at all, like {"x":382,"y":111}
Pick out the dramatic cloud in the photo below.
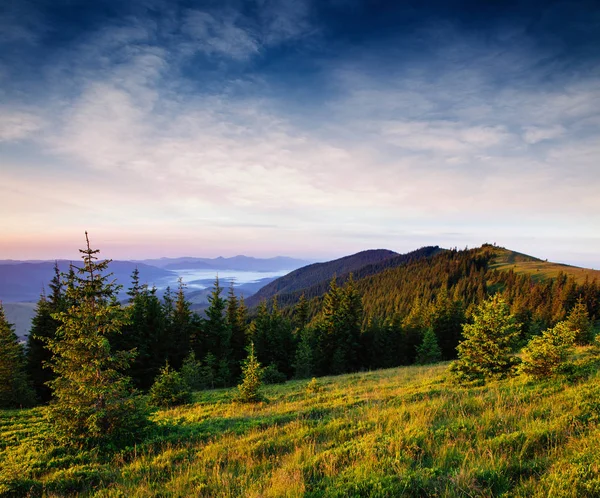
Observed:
{"x":295,"y":127}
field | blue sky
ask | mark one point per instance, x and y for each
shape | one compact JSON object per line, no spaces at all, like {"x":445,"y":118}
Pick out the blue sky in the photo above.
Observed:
{"x":304,"y":128}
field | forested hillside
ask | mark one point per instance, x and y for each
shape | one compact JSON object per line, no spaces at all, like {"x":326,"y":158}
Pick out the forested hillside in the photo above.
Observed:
{"x":313,"y":280}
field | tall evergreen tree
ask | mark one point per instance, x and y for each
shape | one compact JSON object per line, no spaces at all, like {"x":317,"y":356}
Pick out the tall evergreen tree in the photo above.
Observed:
{"x":93,"y":401}
{"x":236,"y":318}
{"x":579,"y":322}
{"x":429,"y":350}
{"x":180,"y":329}
{"x":44,"y":327}
{"x":15,"y":389}
{"x":217,"y":333}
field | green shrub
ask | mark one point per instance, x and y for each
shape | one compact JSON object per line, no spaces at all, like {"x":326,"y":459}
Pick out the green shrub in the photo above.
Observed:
{"x":169,"y":389}
{"x":273,"y":376}
{"x":314,"y":386}
{"x":545,"y":355}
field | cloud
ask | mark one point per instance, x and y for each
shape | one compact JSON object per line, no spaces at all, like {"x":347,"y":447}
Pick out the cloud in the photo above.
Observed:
{"x":17,"y":125}
{"x":535,"y":134}
{"x":221,"y":36}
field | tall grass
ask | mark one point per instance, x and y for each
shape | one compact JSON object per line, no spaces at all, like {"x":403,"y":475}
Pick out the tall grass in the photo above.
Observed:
{"x":398,"y":432}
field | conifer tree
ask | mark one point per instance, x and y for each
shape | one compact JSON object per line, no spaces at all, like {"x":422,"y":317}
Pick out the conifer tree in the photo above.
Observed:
{"x":44,"y":327}
{"x":180,"y":329}
{"x":94,"y":401}
{"x":486,"y":351}
{"x":15,"y":389}
{"x":579,"y":322}
{"x":217,"y":334}
{"x":169,"y":388}
{"x":429,"y":350}
{"x":252,"y":372}
{"x":303,"y":362}
{"x":236,"y":318}
{"x":544,"y":355}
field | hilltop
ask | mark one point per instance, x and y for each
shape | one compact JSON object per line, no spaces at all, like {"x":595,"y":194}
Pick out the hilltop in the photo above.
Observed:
{"x":313,"y":280}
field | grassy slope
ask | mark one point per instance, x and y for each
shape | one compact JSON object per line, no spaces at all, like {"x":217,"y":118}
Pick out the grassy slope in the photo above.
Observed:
{"x":398,"y":432}
{"x":539,"y":269}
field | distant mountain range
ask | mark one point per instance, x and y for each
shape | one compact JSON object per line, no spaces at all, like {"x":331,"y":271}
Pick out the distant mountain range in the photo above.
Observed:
{"x":237,"y":263}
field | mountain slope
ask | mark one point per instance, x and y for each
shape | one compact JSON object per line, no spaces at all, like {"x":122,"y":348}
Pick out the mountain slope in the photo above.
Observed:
{"x":313,"y":280}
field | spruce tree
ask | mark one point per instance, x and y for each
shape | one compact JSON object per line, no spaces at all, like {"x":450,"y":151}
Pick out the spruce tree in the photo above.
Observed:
{"x":15,"y":389}
{"x":217,"y":334}
{"x":579,"y":322}
{"x":44,"y":327}
{"x":252,"y":372}
{"x":303,"y":362}
{"x":236,"y":318}
{"x":94,"y":402}
{"x":486,"y":351}
{"x":429,"y":351}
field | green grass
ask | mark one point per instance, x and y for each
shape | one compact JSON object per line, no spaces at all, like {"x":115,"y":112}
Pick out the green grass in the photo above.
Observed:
{"x":398,"y":432}
{"x":540,"y":270}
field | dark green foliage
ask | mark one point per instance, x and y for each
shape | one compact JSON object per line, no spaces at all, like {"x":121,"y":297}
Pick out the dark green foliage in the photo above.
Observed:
{"x":180,"y":328}
{"x":579,"y":322}
{"x":547,"y":354}
{"x":304,"y":361}
{"x":192,"y":373}
{"x":429,"y":350}
{"x":252,"y":373}
{"x":236,"y":316}
{"x":273,"y":338}
{"x":273,"y":376}
{"x":93,"y":401}
{"x":338,"y":330}
{"x":15,"y":388}
{"x":169,"y":389}
{"x":216,"y":336}
{"x":146,"y":332}
{"x":486,"y":351}
{"x":44,"y":327}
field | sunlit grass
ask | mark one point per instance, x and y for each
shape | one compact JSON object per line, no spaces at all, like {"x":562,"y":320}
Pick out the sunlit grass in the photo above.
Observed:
{"x":398,"y":432}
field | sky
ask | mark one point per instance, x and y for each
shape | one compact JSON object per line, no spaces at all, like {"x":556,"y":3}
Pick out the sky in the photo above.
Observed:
{"x":303,"y":128}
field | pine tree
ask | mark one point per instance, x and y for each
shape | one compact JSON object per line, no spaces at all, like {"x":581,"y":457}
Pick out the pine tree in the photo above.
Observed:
{"x":579,"y":322}
{"x":94,"y":401}
{"x":15,"y":389}
{"x":44,"y":327}
{"x":191,"y":372}
{"x":169,"y":388}
{"x":486,"y":351}
{"x":252,"y":372}
{"x":236,"y":318}
{"x":429,"y":351}
{"x":217,"y":333}
{"x":303,"y":364}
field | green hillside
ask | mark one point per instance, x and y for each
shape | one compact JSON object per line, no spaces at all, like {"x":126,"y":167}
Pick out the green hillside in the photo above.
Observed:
{"x":313,"y":280}
{"x":398,"y":432}
{"x":538,"y":269}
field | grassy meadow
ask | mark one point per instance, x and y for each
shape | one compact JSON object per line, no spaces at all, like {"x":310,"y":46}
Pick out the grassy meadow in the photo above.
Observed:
{"x":400,"y":432}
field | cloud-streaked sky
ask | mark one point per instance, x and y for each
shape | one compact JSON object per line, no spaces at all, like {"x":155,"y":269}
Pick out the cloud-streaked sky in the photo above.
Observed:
{"x":305,"y":128}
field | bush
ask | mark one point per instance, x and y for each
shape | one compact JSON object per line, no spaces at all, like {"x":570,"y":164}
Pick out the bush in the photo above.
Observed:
{"x":169,"y":389}
{"x":545,"y":355}
{"x":314,"y":386}
{"x":273,"y":376}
